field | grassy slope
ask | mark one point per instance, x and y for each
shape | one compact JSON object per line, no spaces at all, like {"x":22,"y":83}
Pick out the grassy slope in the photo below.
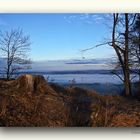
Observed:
{"x":56,"y":106}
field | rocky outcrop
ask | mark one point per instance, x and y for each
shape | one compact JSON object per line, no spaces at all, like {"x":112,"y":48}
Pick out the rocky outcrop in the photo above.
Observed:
{"x":30,"y":101}
{"x":33,"y":84}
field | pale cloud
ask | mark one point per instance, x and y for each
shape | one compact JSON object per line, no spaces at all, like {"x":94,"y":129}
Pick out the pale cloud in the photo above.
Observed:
{"x":89,"y":18}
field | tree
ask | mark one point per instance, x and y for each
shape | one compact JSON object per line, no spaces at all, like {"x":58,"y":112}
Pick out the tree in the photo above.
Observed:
{"x":14,"y":47}
{"x":135,"y":46}
{"x":120,"y":42}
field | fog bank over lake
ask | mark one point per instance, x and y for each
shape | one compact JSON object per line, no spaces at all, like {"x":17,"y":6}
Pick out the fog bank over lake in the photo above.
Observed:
{"x":83,"y":71}
{"x":72,"y":64}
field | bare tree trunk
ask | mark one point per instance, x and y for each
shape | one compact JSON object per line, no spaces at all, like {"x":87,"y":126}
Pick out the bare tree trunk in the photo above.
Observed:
{"x":8,"y":73}
{"x":8,"y":59}
{"x":127,"y":83}
{"x":139,"y":56}
{"x":123,"y":54}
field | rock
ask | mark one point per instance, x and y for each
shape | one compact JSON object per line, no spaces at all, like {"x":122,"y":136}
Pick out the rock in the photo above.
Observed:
{"x":31,"y":101}
{"x":35,"y":84}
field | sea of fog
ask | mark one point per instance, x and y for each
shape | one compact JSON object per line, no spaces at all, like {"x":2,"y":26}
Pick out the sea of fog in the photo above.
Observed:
{"x":80,"y":70}
{"x":102,"y":83}
{"x":83,"y":78}
{"x":94,"y":74}
{"x":91,"y":74}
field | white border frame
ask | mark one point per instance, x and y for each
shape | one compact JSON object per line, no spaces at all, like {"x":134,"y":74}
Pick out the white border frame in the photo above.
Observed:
{"x":69,"y":6}
{"x":63,"y":6}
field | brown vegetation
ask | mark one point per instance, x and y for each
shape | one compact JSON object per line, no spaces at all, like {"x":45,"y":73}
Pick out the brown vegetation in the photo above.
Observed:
{"x":31,"y":101}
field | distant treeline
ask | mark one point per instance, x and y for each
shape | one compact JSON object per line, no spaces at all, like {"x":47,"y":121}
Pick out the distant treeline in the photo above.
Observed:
{"x":71,"y":72}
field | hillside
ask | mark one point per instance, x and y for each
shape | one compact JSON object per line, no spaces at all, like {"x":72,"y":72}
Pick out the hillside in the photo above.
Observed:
{"x":31,"y":101}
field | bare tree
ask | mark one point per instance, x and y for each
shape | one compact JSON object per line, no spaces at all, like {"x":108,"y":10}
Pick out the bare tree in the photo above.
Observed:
{"x":122,"y":23}
{"x":121,"y":47}
{"x":120,"y":42}
{"x":135,"y":46}
{"x":14,"y":47}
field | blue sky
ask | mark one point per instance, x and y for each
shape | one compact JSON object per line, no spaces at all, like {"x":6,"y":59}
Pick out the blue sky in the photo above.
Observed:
{"x":62,"y":36}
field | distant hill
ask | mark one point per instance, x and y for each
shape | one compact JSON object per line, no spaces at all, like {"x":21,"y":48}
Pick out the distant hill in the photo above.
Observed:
{"x":91,"y":61}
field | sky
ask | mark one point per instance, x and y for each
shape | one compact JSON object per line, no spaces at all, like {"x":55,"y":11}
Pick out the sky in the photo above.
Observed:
{"x":62,"y":36}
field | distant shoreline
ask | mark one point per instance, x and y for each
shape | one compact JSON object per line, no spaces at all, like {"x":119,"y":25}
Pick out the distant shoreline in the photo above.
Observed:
{"x":69,"y":72}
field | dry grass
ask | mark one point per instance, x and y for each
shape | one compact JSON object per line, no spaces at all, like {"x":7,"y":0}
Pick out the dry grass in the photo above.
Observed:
{"x":33,"y":102}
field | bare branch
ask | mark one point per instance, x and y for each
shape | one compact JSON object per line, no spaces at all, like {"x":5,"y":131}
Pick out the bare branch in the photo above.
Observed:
{"x":102,"y":44}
